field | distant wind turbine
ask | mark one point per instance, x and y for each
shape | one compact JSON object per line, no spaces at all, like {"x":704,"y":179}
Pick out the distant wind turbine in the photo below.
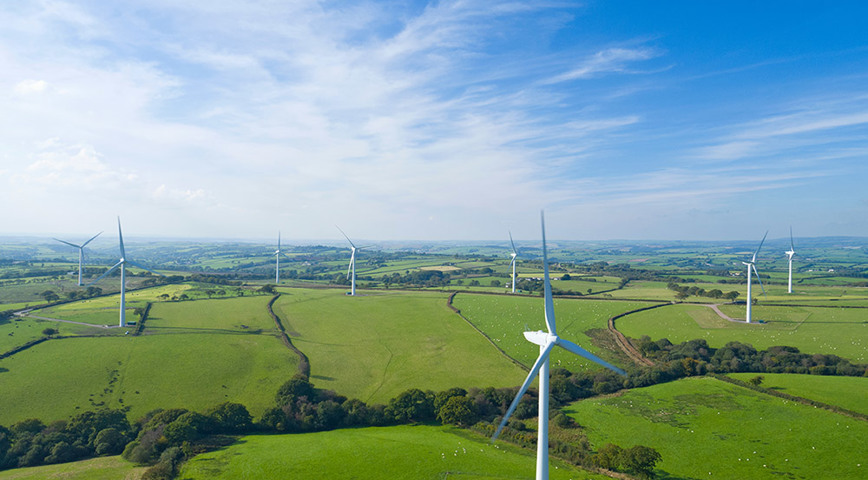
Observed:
{"x":546,"y":341}
{"x":751,"y":269}
{"x":80,"y":253}
{"x":351,"y":268}
{"x":514,"y":255}
{"x":790,"y":253}
{"x":122,"y":264}
{"x":277,"y":261}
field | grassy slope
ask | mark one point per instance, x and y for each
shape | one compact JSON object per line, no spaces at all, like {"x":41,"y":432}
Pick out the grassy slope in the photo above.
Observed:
{"x":197,"y":356}
{"x":846,"y":392}
{"x":103,"y":468}
{"x":705,"y":428}
{"x":842,"y":332}
{"x":417,"y":452}
{"x":504,"y":318}
{"x":377,"y":346}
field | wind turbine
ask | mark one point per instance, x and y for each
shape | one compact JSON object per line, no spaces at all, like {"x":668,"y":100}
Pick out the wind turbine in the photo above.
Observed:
{"x":790,"y":253}
{"x":751,"y":268}
{"x":351,"y":268}
{"x":80,"y":252}
{"x":277,"y":261}
{"x":546,"y":341}
{"x":514,"y":255}
{"x":122,"y":264}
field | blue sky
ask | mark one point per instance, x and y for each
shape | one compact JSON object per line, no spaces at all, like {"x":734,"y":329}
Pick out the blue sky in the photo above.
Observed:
{"x":441,"y":120}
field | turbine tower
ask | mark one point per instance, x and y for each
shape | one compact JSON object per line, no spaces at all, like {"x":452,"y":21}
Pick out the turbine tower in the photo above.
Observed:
{"x":790,"y":253}
{"x":751,"y":268}
{"x":277,"y":261}
{"x":80,"y":253}
{"x":351,"y":268}
{"x":546,"y":341}
{"x":514,"y":255}
{"x":122,"y":264}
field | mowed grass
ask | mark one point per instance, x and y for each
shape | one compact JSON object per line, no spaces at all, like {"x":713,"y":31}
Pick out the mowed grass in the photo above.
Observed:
{"x":845,"y":392}
{"x":411,"y":452}
{"x":838,"y":331}
{"x":208,"y":359}
{"x":705,"y":428}
{"x":102,"y":468}
{"x":377,"y":345}
{"x":504,"y":318}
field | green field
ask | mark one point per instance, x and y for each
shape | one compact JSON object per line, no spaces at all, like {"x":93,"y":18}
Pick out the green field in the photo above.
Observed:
{"x":102,"y":468}
{"x":838,"y":331}
{"x":505,"y":317}
{"x":845,"y":392}
{"x":411,"y":452}
{"x":705,"y":428}
{"x":195,"y":355}
{"x":377,"y":345}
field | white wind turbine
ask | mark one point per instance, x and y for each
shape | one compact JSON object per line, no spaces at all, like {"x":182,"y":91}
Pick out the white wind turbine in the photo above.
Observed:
{"x":790,"y":253}
{"x":751,"y":269}
{"x":546,"y":341}
{"x":122,"y":264}
{"x":277,"y":261}
{"x":351,"y":268}
{"x":514,"y":255}
{"x":80,"y":253}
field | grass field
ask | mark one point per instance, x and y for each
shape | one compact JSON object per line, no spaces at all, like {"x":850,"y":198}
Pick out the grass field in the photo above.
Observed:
{"x":838,"y":331}
{"x":411,"y":452}
{"x":705,"y":428}
{"x":377,"y":345}
{"x":845,"y":392}
{"x":505,"y":317}
{"x":102,"y":468}
{"x":195,"y":355}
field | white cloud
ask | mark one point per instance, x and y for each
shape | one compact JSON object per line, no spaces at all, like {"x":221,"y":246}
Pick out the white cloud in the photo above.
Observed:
{"x":26,"y":87}
{"x":610,"y":60}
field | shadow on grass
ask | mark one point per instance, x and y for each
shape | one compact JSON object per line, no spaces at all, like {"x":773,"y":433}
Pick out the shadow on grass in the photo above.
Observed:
{"x":661,"y":475}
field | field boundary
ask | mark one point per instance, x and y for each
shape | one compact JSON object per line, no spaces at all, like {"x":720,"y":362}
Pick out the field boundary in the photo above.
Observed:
{"x":622,"y":340}
{"x":140,"y":327}
{"x":21,"y":348}
{"x":794,"y":398}
{"x":458,"y":312}
{"x":303,"y":362}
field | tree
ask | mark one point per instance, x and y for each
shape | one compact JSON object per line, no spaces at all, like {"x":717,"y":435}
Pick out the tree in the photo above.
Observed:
{"x":231,"y":417}
{"x":495,"y":283}
{"x":757,"y":380}
{"x":295,"y":387}
{"x":731,"y":296}
{"x":640,"y":460}
{"x":49,"y":332}
{"x":412,"y":405}
{"x":608,"y":457}
{"x":566,"y":276}
{"x":458,"y":410}
{"x":49,"y":296}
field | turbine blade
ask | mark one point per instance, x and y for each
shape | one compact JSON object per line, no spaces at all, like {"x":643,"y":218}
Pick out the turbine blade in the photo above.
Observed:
{"x":91,"y":238}
{"x":792,"y":246}
{"x":549,"y":303}
{"x":759,"y":247}
{"x":352,"y":262}
{"x":70,"y":244}
{"x":758,"y":279}
{"x":345,"y":236}
{"x":143,"y":268}
{"x":278,"y":240}
{"x":512,"y":243}
{"x":568,"y":345}
{"x":106,"y":273}
{"x":121,"y":238}
{"x":527,"y":381}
